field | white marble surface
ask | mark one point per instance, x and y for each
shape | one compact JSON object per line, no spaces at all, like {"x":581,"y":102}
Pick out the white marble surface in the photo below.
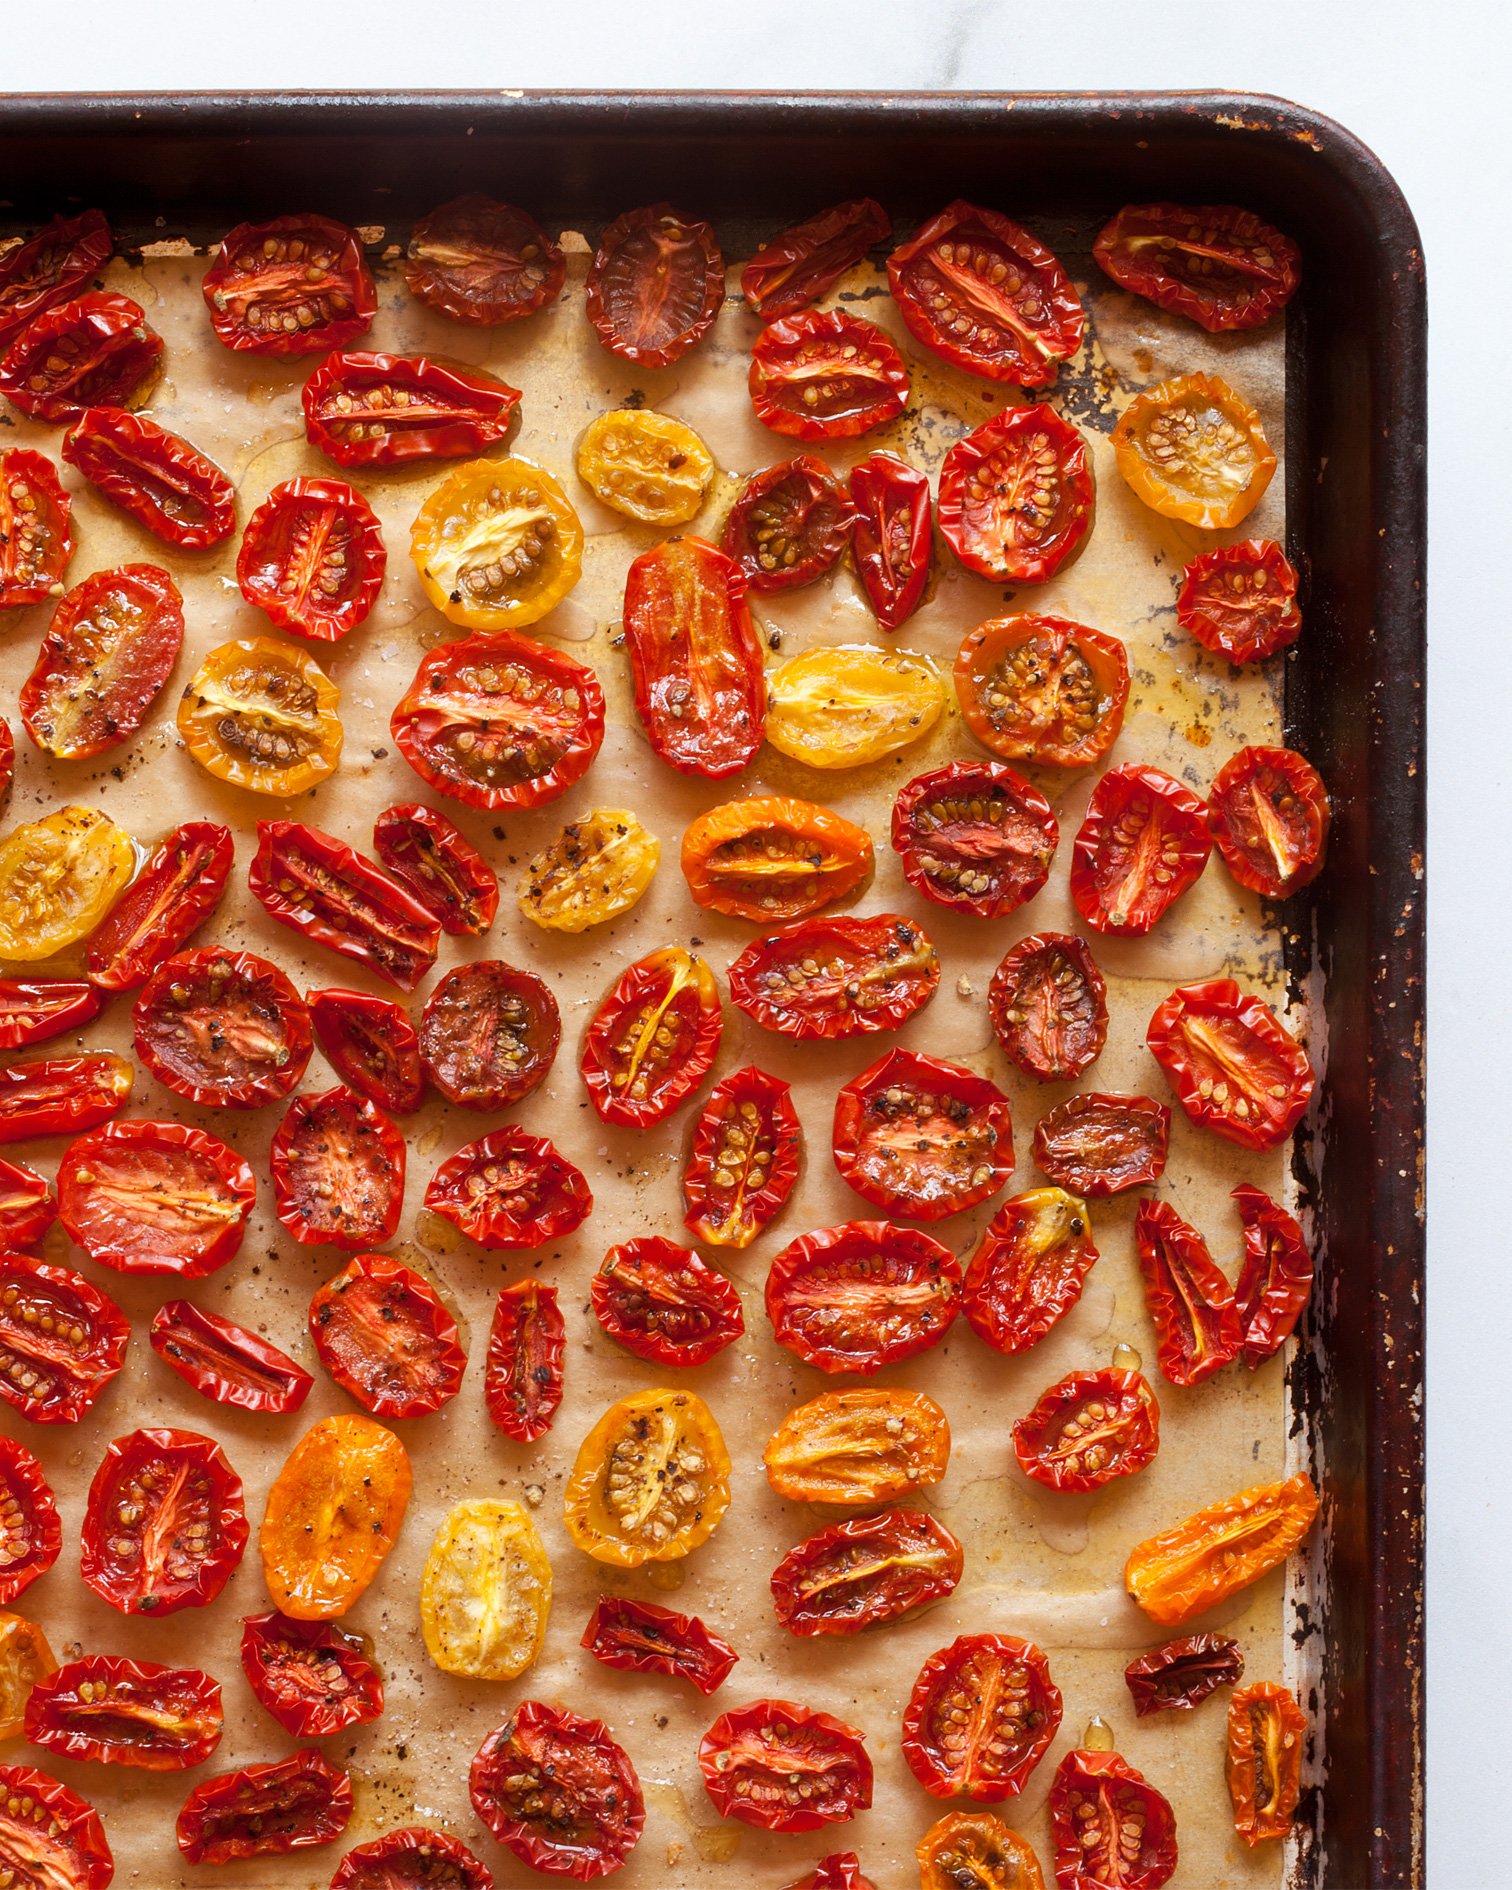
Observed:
{"x":1425,"y":86}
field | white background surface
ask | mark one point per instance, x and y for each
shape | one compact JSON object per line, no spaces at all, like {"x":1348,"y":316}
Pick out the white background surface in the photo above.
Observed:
{"x":1426,"y":86}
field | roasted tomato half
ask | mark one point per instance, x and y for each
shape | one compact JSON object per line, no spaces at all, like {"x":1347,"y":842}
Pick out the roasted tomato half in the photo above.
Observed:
{"x":98,"y":351}
{"x":825,"y":374}
{"x":922,"y":1138}
{"x":868,"y":1570}
{"x":975,"y":1850}
{"x":522,"y":1373}
{"x":268,"y":1810}
{"x":47,"y":1830}
{"x":1029,"y":1269}
{"x":597,"y":868}
{"x":1263,"y":1762}
{"x":646,"y":465}
{"x":27,"y":1207}
{"x":1049,"y":1006}
{"x":389,"y":409}
{"x":1088,"y":1428}
{"x":108,"y":651}
{"x":975,"y":836}
{"x":558,"y":1791}
{"x":1219,"y":265}
{"x":155,"y":1197}
{"x":35,"y":1010}
{"x":1211,"y":1555}
{"x":126,"y":1712}
{"x":1193,"y":449}
{"x":862,"y":1295}
{"x":858,"y":1448}
{"x":1043,"y":689}
{"x":664,"y":1304}
{"x":1268,"y":814}
{"x":332,"y":1515}
{"x":61,"y":1095}
{"x":489,"y":1034}
{"x":49,"y":268}
{"x":981,"y":1716}
{"x":36,"y":539}
{"x":783,"y":1767}
{"x":1096,"y":1144}
{"x":412,"y":1858}
{"x":224,"y":1028}
{"x":312,"y":1676}
{"x":892,"y":539}
{"x":700,"y":690}
{"x":1143,"y":843}
{"x":384,"y":1335}
{"x":371,"y":1045}
{"x":653,"y":1039}
{"x":225,"y":1362}
{"x":262,"y":715}
{"x":510,"y":1190}
{"x":30,"y":1533}
{"x":1192,"y":1304}
{"x":161,"y":480}
{"x":798,"y":265}
{"x":440,"y":866}
{"x":312,"y":558}
{"x":167,"y":902}
{"x":743,"y":1159}
{"x":651,"y":1481}
{"x":164,"y":1527}
{"x":497,"y":545}
{"x":1109,"y":1825}
{"x":295,"y":285}
{"x":847,"y":705}
{"x":61,"y":1340}
{"x":655,"y":285}
{"x":337,"y":1164}
{"x":773,"y":858}
{"x":1016,"y":496}
{"x":1234,"y":1066}
{"x":830,"y":977}
{"x":791,"y":522}
{"x":25,"y":1658}
{"x":641,"y":1637}
{"x":1276,"y":1278}
{"x":1180,"y":1675}
{"x":482,"y":262}
{"x":485,"y":1592}
{"x":59,"y":877}
{"x":1240,"y":601}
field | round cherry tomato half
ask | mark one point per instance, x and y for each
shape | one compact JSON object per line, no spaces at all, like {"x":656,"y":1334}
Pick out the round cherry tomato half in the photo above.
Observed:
{"x":985,"y":295}
{"x":27,"y":1207}
{"x":164,"y":1526}
{"x":784,"y":1767}
{"x":295,"y":285}
{"x":1142,"y":844}
{"x":862,"y":1295}
{"x":332,"y":1515}
{"x":646,"y":465}
{"x":98,"y":351}
{"x":743,"y":1159}
{"x":225,"y":1362}
{"x":826,"y":375}
{"x":1276,"y":1278}
{"x":167,"y":902}
{"x":312,"y":558}
{"x":108,"y":651}
{"x":389,"y":409}
{"x":1049,"y":1006}
{"x":1219,"y":265}
{"x":1235,"y":1068}
{"x":522,"y":1374}
{"x":155,"y":1197}
{"x":1194,"y":449}
{"x":51,"y":1832}
{"x":265,"y":1810}
{"x":61,"y":1340}
{"x":1088,"y":1428}
{"x":981,"y":1716}
{"x":975,"y":836}
{"x":655,"y":285}
{"x":653,"y":1039}
{"x":1096,"y":1145}
{"x":158,"y":1719}
{"x":35,"y":1010}
{"x":1268,"y":814}
{"x":1109,"y":1825}
{"x":830,"y":977}
{"x":385,"y":1337}
{"x":1190,"y":1300}
{"x":36,"y":539}
{"x":1240,"y":601}
{"x":922,"y":1138}
{"x":1016,"y":496}
{"x":498,"y":720}
{"x":262,"y":715}
{"x":892,"y":539}
{"x":790,"y":523}
{"x":1043,"y":689}
{"x":868,"y":1570}
{"x":440,"y":866}
{"x":30,"y":1532}
{"x":161,"y":480}
{"x":799,"y":264}
{"x":640,"y":1637}
{"x":49,"y":268}
{"x":497,"y":545}
{"x":975,"y":1850}
{"x":651,"y":1482}
{"x":510,"y":1190}
{"x":1028,"y":1271}
{"x":312,"y":1676}
{"x":773,"y":858}
{"x":482,"y":262}
{"x":858,"y":1447}
{"x":223,"y":1028}
{"x":371,"y":1045}
{"x":661,"y":1302}
{"x":337,"y":1164}
{"x":414,"y":1858}
{"x":489,"y":1034}
{"x":558,"y":1791}
{"x":61,"y":1095}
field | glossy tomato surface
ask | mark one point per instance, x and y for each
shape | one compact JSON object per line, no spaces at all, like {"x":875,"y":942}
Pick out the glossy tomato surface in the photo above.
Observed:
{"x":440,"y":866}
{"x":312,"y":558}
{"x":522,"y":1371}
{"x":830,"y":977}
{"x":826,"y":375}
{"x":773,"y":858}
{"x":1029,"y":1269}
{"x":1235,"y":1068}
{"x":488,"y":1034}
{"x":981,"y":1716}
{"x":482,"y":262}
{"x":558,"y":1791}
{"x":1268,"y":814}
{"x":865,"y":1571}
{"x":1194,"y":449}
{"x":858,"y":1447}
{"x":510,"y":1190}
{"x":167,"y":902}
{"x":785,"y":1767}
{"x":61,"y":1340}
{"x":798,"y":265}
{"x":1196,"y":1320}
{"x":108,"y":651}
{"x":743,"y":1158}
{"x":1218,"y":265}
{"x":1045,"y":689}
{"x":1096,"y":1144}
{"x":30,"y":1532}
{"x":412,"y":1858}
{"x":387,"y":1339}
{"x":35,"y":1010}
{"x":49,"y":1830}
{"x":1210,"y":1556}
{"x":1180,"y":1675}
{"x":1142,"y":844}
{"x":975,"y":1850}
{"x":223,"y":1028}
{"x":598,"y":866}
{"x":1240,"y":601}
{"x":155,"y":1197}
{"x":332,"y":1515}
{"x":1109,"y":1825}
{"x":388,"y":409}
{"x":59,"y":876}
{"x":371,"y":1045}
{"x":789,"y":525}
{"x":922,"y":1138}
{"x":1275,"y":1281}
{"x":337,"y":1164}
{"x":1263,"y":1763}
{"x":262,"y":715}
{"x":158,"y":1719}
{"x":641,"y":1637}
{"x":892,"y":538}
{"x":268,"y":1810}
{"x":162,"y":481}
{"x":975,"y":836}
{"x":225,"y":1362}
{"x":1016,"y":496}
{"x":665,"y":1304}
{"x":646,"y":465}
{"x":313,"y":1677}
{"x":653,"y":1039}
{"x":497,"y":545}
{"x":295,"y":285}
{"x":845,"y":705}
{"x":27,"y":1207}
{"x":96,"y":351}
{"x":49,"y":268}
{"x":1049,"y":1006}
{"x":36,"y":539}
{"x":862,"y":1295}
{"x":164,"y":1527}
{"x":651,"y":1481}
{"x":655,"y":285}
{"x":60,"y":1095}
{"x":1088,"y":1428}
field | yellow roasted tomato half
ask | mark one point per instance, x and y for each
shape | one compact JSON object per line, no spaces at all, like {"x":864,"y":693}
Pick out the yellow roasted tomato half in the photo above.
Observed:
{"x":497,"y":545}
{"x":646,"y":465}
{"x":262,"y":715}
{"x":486,"y":1592}
{"x":651,"y":1481}
{"x":59,"y":876}
{"x":844,"y":707}
{"x":595,"y":869}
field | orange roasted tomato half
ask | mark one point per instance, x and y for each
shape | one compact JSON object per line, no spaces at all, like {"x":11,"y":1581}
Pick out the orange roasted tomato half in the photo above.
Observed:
{"x":497,"y":545}
{"x":773,"y":858}
{"x":1193,"y":449}
{"x":1043,"y":689}
{"x":651,"y":1481}
{"x":262,"y":715}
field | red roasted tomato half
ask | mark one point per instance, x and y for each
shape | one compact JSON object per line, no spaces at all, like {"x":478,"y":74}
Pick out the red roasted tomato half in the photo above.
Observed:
{"x":1143,"y":842}
{"x":825,"y":374}
{"x":664,"y":1304}
{"x":440,"y":866}
{"x":61,"y":1095}
{"x":1049,"y":1006}
{"x":1029,"y":1268}
{"x":1088,"y":1428}
{"x":1096,"y":1144}
{"x":641,"y":1637}
{"x":892,"y":538}
{"x":1220,"y":266}
{"x":312,"y":558}
{"x":1276,"y":1278}
{"x":836,"y":977}
{"x":864,"y":1571}
{"x":655,"y":285}
{"x":922,"y":1138}
{"x":49,"y":268}
{"x":155,"y":1197}
{"x":799,"y":264}
{"x":790,"y":523}
{"x":1240,"y":601}
{"x":653,"y":1039}
{"x":295,"y":285}
{"x":157,"y":1719}
{"x":482,"y":262}
{"x":488,"y":1034}
{"x":743,"y":1159}
{"x":784,"y":1767}
{"x":27,"y":1207}
{"x":337,"y":1164}
{"x":61,"y":1340}
{"x":225,"y":1362}
{"x":56,"y":1832}
{"x":109,"y":649}
{"x":1190,"y":1300}
{"x":1109,"y":1825}
{"x":975,"y":836}
{"x":265,"y":1810}
{"x":314,"y":1677}
{"x":35,"y":1010}
{"x":30,"y":1532}
{"x":413,"y":1858}
{"x":224,"y":1028}
{"x":862,"y":1295}
{"x":1268,"y":814}
{"x":164,"y":1525}
{"x":163,"y":907}
{"x":97,"y":351}
{"x":1016,"y":496}
{"x":1235,"y":1068}
{"x":980,"y":1718}
{"x":384,"y":1335}
{"x":162,"y":481}
{"x":371,"y":1045}
{"x":558,"y":1791}
{"x":509,"y":1190}
{"x":36,"y":539}
{"x":388,"y":409}
{"x":522,"y":1382}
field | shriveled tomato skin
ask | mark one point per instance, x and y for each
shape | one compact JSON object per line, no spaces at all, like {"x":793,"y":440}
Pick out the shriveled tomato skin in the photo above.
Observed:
{"x":666,"y":1007}
{"x":384,"y":1335}
{"x":1040,"y":688}
{"x":265,"y":1810}
{"x":559,"y":1792}
{"x":49,"y":268}
{"x":97,"y":351}
{"x":163,"y":907}
{"x":440,"y":866}
{"x":825,"y":374}
{"x":372,"y":1046}
{"x":874,"y":974}
{"x":892,"y":539}
{"x":47,"y":1382}
{"x":661,"y":1302}
{"x":655,"y":285}
{"x":510,"y":1190}
{"x":1263,"y":1762}
{"x":267,"y":1054}
{"x":1109,"y":1825}
{"x":482,"y":262}
{"x":57,"y":1833}
{"x":1016,"y":496}
{"x":1011,"y":1708}
{"x":1192,"y":1304}
{"x":35,"y":1010}
{"x":36,"y":538}
{"x":1095,"y":1144}
{"x":865,"y":1571}
{"x":1268,"y":814}
{"x":862,"y":1295}
{"x":772,"y":1743}
{"x":1220,"y":266}
{"x":337,"y":1164}
{"x":154,"y":1197}
{"x":922,"y":1138}
{"x":108,"y":651}
{"x":30,"y":1532}
{"x":1088,"y":1428}
{"x":312,"y":1676}
{"x":1048,"y":1003}
{"x":798,"y":265}
{"x":312,"y":558}
{"x":161,"y":1719}
{"x":1278,"y":1077}
{"x":388,"y":409}
{"x":27,"y":1207}
{"x":1179,"y":1676}
{"x":743,"y":1159}
{"x":975,"y":836}
{"x":1276,"y":1278}
{"x":1240,"y":601}
{"x":641,"y":1637}
{"x":166,"y":484}
{"x":489,"y":1034}
{"x":790,"y":523}
{"x":225,"y":1362}
{"x":1142,"y":844}
{"x":266,"y":276}
{"x":164,"y":1526}
{"x":413,"y":1858}
{"x":522,"y":1373}
{"x":1029,"y":1269}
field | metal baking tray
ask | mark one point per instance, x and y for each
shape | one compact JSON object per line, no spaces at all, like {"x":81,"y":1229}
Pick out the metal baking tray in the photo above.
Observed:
{"x":192,"y":164}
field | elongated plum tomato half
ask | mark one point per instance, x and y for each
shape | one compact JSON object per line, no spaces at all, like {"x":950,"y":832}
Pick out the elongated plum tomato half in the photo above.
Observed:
{"x":385,"y":1336}
{"x":49,"y":268}
{"x":312,"y":1676}
{"x":1043,"y":689}
{"x":485,"y":1592}
{"x":1109,"y":1825}
{"x":36,"y":539}
{"x":56,"y":1832}
{"x":440,"y":866}
{"x":784,"y":1767}
{"x":59,"y":876}
{"x":743,"y":1159}
{"x":892,"y":538}
{"x":1180,"y":1675}
{"x":1235,"y":1068}
{"x":651,"y":1481}
{"x":653,"y":1039}
{"x":27,"y":1207}
{"x":981,"y":1716}
{"x":975,"y":1848}
{"x":167,"y":902}
{"x":295,"y":285}
{"x":1097,"y":1144}
{"x":655,"y":285}
{"x":646,"y":465}
{"x":262,"y":715}
{"x":798,"y":265}
{"x":48,"y":1378}
{"x":1276,"y":1277}
{"x":497,"y":545}
{"x":337,"y":1164}
{"x":1268,"y":814}
{"x":223,"y":1028}
{"x":388,"y":409}
{"x":1142,"y":844}
{"x":30,"y":1532}
{"x":1193,"y":449}
{"x":225,"y":1362}
{"x":1016,"y":496}
{"x":489,"y":1034}
{"x":700,"y":690}
{"x":825,"y":374}
{"x":35,"y":1010}
{"x":62,"y":1095}
{"x":922,"y":1138}
{"x":482,"y":262}
{"x":332,"y":1515}
{"x":155,"y":1718}
{"x":862,"y":1295}
{"x":412,"y":1858}
{"x":1048,"y":1003}
{"x":1210,"y":1556}
{"x":1263,"y":1762}
{"x":640,"y":1637}
{"x":858,"y":1447}
{"x":522,"y":1372}
{"x":97,"y":351}
{"x":108,"y":651}
{"x":1029,"y":1269}
{"x":665,"y":1304}
{"x":1240,"y":601}
{"x":266,"y":1810}
{"x":1088,"y":1428}
{"x":163,"y":482}
{"x":975,"y":836}
{"x":598,"y":866}
{"x":843,"y":705}
{"x":371,"y":1045}
{"x":773,"y":858}
{"x":868,"y":975}
{"x":865,"y":1571}
{"x":558,"y":1791}
{"x":510,"y":1190}
{"x":164,"y":1526}
{"x":789,"y":525}
{"x":312,"y":558}
{"x":1220,"y":266}
{"x":155,"y":1198}
{"x":1191,"y":1302}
